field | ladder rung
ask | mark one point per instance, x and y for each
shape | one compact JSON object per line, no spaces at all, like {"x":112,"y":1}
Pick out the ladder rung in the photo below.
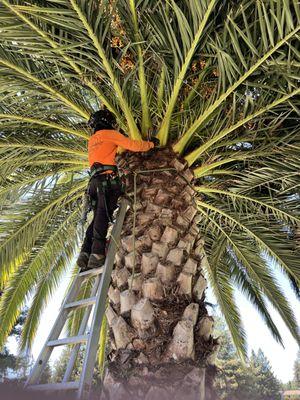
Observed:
{"x":68,"y":340}
{"x":91,"y":272}
{"x":81,"y":303}
{"x":55,"y":386}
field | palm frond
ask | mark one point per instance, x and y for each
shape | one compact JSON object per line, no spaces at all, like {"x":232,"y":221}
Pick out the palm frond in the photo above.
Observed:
{"x":248,"y":269}
{"x":23,"y":227}
{"x":61,"y":51}
{"x":83,"y":17}
{"x":238,"y":77}
{"x":132,"y":20}
{"x":190,"y":40}
{"x":50,"y":256}
{"x":36,"y":122}
{"x":191,"y":158}
{"x":57,"y":253}
{"x":224,"y":293}
{"x":11,"y":64}
{"x":258,"y":268}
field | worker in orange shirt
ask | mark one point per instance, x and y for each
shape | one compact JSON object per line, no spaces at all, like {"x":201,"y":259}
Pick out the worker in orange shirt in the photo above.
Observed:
{"x":104,"y":186}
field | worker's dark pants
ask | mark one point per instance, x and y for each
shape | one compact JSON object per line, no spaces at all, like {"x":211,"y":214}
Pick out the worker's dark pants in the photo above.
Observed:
{"x":95,"y":237}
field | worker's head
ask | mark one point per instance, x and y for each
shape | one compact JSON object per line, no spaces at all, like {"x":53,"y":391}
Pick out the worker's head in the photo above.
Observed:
{"x":102,"y":119}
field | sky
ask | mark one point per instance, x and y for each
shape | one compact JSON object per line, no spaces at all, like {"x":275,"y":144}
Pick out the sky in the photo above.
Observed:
{"x":258,"y":336}
{"x":281,"y":359}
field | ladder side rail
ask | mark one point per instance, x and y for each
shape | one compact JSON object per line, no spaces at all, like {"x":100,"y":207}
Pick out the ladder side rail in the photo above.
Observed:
{"x":100,"y":306}
{"x":81,"y":331}
{"x":46,"y":351}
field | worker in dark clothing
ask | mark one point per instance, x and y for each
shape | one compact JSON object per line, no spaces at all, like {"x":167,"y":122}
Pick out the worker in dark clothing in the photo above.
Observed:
{"x":104,"y":187}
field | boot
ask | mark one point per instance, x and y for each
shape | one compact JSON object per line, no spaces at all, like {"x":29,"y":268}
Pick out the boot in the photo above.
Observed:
{"x":96,"y":261}
{"x":82,"y":260}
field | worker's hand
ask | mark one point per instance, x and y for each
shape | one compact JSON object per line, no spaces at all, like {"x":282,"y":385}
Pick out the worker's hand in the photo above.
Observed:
{"x":156,"y":141}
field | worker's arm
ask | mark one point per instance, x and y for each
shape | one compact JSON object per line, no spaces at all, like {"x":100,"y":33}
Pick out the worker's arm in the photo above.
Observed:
{"x":124,"y":142}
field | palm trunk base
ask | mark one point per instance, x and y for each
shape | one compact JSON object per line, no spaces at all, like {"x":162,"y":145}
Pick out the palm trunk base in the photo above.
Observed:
{"x":167,"y":382}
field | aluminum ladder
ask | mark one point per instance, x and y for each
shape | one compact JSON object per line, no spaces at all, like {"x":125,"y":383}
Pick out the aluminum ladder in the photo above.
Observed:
{"x":95,"y":303}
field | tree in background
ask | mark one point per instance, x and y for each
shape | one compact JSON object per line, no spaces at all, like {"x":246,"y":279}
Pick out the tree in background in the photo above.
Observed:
{"x":296,"y":379}
{"x":59,"y":367}
{"x":7,"y":363}
{"x":295,"y":382}
{"x":217,"y":81}
{"x":12,"y":366}
{"x":266,"y":384}
{"x":237,"y":380}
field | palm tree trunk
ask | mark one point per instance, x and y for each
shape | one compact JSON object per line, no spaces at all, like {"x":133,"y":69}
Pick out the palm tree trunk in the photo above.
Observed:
{"x":160,"y":329}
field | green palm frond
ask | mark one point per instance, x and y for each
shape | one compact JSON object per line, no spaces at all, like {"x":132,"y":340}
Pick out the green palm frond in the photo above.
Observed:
{"x":131,"y":19}
{"x":280,"y":176}
{"x":28,"y":219}
{"x":91,"y":30}
{"x":40,"y":273}
{"x":269,"y":240}
{"x":64,"y":243}
{"x":246,"y":267}
{"x":223,"y":290}
{"x":33,"y":25}
{"x":183,"y":52}
{"x":39,"y":122}
{"x":266,"y":243}
{"x":261,"y":205}
{"x":30,"y":73}
{"x":246,"y":68}
{"x":192,"y":157}
{"x":251,"y":290}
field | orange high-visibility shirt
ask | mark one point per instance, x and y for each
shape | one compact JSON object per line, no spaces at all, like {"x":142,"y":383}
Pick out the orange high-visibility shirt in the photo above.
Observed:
{"x":103,"y":145}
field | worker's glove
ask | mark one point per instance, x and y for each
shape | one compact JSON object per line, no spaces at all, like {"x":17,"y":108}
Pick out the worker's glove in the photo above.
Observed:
{"x":155,"y":141}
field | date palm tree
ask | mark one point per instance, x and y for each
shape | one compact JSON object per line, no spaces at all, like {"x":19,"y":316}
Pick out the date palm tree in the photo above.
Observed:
{"x":217,"y":203}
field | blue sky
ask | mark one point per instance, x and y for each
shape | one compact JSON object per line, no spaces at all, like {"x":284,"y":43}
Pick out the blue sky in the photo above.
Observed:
{"x":281,"y":359}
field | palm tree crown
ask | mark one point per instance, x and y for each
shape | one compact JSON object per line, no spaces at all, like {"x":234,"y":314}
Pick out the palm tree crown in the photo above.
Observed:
{"x":218,"y":81}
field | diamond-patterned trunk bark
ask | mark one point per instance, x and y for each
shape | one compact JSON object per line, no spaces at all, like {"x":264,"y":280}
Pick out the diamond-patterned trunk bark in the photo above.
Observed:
{"x":159,"y":326}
